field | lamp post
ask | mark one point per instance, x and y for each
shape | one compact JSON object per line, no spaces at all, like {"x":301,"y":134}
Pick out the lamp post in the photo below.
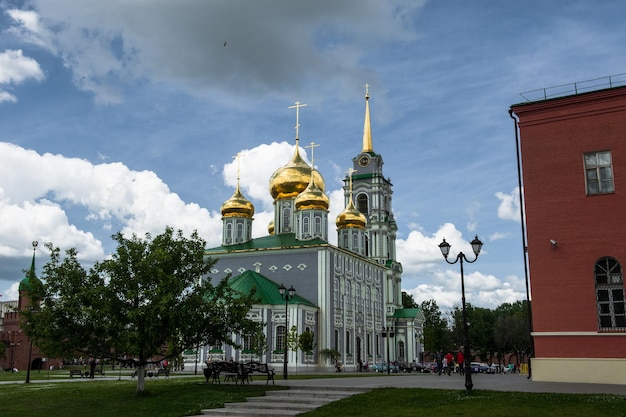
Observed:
{"x":445,"y":251}
{"x":286,"y":294}
{"x":387,"y":333}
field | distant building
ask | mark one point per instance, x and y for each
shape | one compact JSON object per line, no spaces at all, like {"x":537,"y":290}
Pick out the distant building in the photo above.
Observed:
{"x":345,"y":294}
{"x":18,"y":352}
{"x":573,"y":155}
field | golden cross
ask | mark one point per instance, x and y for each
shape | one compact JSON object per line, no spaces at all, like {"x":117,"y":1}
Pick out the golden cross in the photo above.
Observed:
{"x":313,"y":145}
{"x":297,"y":107}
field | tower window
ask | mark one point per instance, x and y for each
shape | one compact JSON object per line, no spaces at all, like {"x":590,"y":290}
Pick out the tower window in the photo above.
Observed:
{"x":599,"y":173}
{"x":362,"y":204}
{"x":610,"y":294}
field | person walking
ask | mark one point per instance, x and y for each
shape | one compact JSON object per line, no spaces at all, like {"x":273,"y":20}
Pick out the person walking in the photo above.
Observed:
{"x":460,"y":359}
{"x":450,"y":361}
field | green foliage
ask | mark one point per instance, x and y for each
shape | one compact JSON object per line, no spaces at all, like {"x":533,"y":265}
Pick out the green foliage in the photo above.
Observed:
{"x":330,"y":354}
{"x":307,"y":341}
{"x":147,"y":302}
{"x":408,"y":301}
{"x":259,"y":342}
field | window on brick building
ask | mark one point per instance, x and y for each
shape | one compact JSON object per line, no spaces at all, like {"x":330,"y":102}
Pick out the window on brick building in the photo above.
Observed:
{"x":599,"y":173}
{"x":610,"y":295}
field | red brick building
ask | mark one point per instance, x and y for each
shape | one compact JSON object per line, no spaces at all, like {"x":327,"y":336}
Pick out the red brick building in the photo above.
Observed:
{"x":573,"y":159}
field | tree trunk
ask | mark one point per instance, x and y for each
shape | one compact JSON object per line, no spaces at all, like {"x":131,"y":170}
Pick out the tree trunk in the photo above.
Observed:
{"x":141,"y":379}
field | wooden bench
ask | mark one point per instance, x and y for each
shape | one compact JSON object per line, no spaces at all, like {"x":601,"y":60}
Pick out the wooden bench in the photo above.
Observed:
{"x":257,"y":368}
{"x":76,"y":372}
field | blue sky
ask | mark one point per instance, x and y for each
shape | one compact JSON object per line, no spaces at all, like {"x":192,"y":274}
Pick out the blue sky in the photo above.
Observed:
{"x":125,"y":116}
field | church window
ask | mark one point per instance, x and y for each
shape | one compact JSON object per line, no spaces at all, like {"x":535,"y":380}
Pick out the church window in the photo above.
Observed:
{"x":280,"y":338}
{"x":599,"y":173}
{"x":229,"y":231}
{"x":362,"y":204}
{"x":401,"y":351}
{"x":348,"y":347}
{"x":305,"y":226}
{"x":358,"y":299}
{"x":348,"y":296}
{"x":355,"y":242}
{"x":239,"y":231}
{"x":345,"y":240}
{"x":337,"y":340}
{"x":318,"y":225}
{"x":610,"y":294}
{"x":336,"y":293}
{"x":368,"y":295}
{"x":287,"y":218}
{"x":247,"y":342}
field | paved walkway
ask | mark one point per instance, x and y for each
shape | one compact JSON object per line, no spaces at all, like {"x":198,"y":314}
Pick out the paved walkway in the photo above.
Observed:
{"x":504,"y":382}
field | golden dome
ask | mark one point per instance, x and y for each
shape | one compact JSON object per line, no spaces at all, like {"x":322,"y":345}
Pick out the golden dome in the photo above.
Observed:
{"x":312,"y":198}
{"x":270,"y":228}
{"x":237,"y":206}
{"x":293,"y":178}
{"x":351,"y":217}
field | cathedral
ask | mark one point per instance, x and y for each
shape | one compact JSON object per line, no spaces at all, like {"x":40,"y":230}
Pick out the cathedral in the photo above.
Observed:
{"x":349,"y":296}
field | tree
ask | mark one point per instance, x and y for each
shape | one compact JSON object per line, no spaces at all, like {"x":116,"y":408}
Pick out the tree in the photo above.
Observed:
{"x":436,"y":333}
{"x":408,"y":301}
{"x":146,"y":303}
{"x":307,"y":341}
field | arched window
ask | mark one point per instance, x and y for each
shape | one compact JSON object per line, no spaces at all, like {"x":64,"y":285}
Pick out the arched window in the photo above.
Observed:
{"x":348,"y":300}
{"x":229,"y":231}
{"x":305,"y":226}
{"x":348,"y":347}
{"x":318,"y":225}
{"x":287,"y":219}
{"x":336,"y":293}
{"x":362,"y":204}
{"x":239,"y":231}
{"x":610,"y":294}
{"x":401,"y":352}
{"x":280,"y":338}
{"x":358,"y":299}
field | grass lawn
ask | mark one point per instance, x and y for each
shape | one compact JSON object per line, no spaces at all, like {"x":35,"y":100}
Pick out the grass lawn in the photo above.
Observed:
{"x":410,"y":402}
{"x":172,"y":397}
{"x":178,"y":397}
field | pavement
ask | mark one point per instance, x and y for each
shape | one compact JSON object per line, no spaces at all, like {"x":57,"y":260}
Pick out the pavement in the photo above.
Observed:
{"x":497,"y":382}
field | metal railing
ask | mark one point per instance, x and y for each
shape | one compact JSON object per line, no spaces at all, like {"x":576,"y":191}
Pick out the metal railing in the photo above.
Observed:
{"x":575,"y":88}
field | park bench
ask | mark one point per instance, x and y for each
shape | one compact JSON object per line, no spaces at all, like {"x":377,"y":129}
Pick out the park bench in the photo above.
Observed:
{"x":76,"y":372}
{"x":257,"y":368}
{"x":163,"y":371}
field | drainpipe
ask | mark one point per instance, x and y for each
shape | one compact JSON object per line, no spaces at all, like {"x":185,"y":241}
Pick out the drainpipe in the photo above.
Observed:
{"x":524,"y":244}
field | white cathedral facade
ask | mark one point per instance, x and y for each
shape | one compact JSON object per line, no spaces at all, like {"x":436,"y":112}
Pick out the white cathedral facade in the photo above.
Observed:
{"x":349,"y":296}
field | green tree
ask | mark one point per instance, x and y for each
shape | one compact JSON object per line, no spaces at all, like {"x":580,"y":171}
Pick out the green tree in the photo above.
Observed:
{"x":436,"y":334}
{"x":408,"y":301}
{"x":146,"y":303}
{"x":307,"y":341}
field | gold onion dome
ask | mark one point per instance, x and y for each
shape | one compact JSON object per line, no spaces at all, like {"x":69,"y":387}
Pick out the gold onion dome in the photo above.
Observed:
{"x":293,"y":178}
{"x":312,"y":198}
{"x":270,"y":228}
{"x":237,"y":206}
{"x":350,"y":217}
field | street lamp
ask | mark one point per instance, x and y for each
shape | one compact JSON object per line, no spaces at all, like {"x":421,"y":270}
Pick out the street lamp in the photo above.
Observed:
{"x":445,"y":250}
{"x":286,"y":294}
{"x":387,"y":333}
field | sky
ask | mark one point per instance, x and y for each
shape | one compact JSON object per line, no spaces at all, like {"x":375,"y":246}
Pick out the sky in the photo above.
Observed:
{"x":125,"y":116}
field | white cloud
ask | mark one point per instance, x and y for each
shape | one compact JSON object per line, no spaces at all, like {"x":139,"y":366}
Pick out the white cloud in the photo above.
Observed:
{"x":15,"y":68}
{"x":38,"y":192}
{"x":509,"y":208}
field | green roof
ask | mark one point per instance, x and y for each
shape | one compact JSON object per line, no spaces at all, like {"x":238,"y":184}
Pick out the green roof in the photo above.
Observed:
{"x":266,"y":289}
{"x":406,"y":313}
{"x":285,"y":240}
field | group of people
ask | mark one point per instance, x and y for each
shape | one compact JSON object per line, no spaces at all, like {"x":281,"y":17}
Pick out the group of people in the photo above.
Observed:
{"x":447,"y":363}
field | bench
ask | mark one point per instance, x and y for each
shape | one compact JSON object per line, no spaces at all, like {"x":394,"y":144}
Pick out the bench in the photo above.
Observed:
{"x":76,"y":372}
{"x":163,"y":371}
{"x":257,"y":368}
{"x":231,"y":371}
